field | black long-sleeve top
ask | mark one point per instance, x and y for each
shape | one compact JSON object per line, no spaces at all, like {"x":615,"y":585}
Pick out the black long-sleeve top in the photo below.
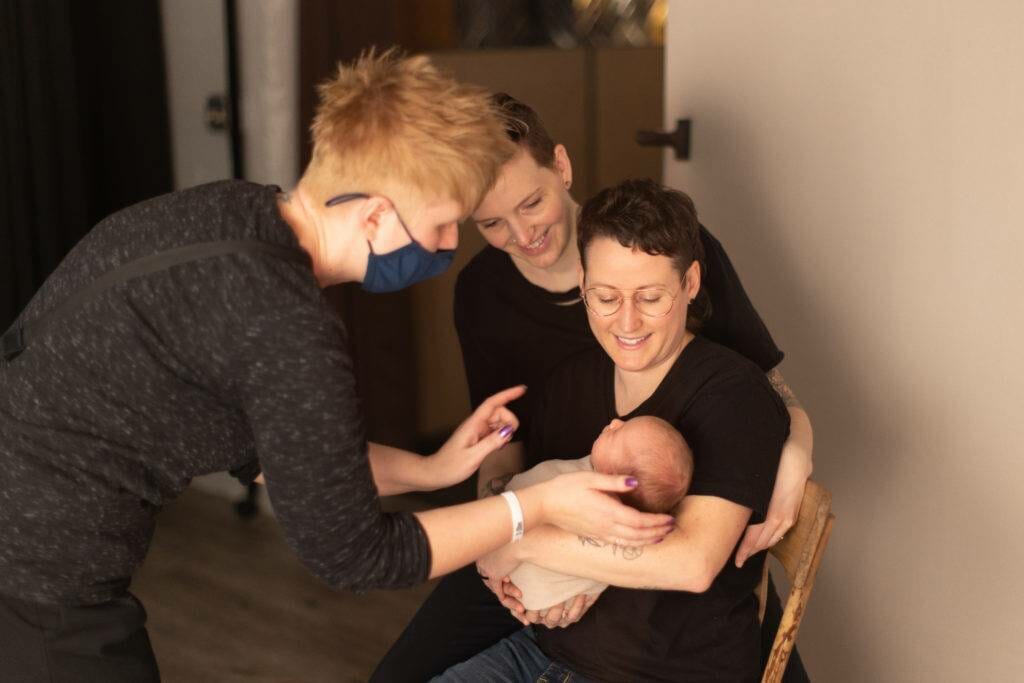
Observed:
{"x":199,"y":368}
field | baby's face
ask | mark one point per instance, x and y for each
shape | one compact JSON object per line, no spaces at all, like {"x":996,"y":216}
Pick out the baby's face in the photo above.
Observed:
{"x":608,"y":447}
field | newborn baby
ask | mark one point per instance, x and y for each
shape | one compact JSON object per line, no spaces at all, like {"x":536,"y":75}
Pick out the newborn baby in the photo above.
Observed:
{"x":645,"y":447}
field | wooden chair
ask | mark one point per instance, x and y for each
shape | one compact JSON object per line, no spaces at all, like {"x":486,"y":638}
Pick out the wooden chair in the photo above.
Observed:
{"x":799,"y":553}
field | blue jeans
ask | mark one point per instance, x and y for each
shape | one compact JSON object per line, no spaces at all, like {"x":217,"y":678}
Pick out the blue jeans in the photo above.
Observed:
{"x":516,"y":659}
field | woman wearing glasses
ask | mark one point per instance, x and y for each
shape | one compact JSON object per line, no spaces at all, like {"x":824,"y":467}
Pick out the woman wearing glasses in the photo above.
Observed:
{"x":692,"y":614}
{"x":519,"y":313}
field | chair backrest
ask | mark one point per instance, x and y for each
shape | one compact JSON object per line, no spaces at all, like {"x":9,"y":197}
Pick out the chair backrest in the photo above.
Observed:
{"x":799,"y":553}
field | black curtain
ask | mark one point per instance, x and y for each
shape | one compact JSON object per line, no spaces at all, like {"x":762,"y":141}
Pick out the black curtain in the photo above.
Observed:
{"x":83,"y":128}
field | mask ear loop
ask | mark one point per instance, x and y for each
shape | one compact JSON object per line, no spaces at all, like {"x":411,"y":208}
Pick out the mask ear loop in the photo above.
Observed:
{"x":351,"y":196}
{"x":347,"y":197}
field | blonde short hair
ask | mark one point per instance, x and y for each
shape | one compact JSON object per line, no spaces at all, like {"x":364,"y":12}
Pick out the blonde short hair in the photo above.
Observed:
{"x":388,"y":123}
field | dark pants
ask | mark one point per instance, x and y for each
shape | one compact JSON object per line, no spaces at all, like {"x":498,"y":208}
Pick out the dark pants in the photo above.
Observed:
{"x":461,"y":618}
{"x":54,"y":644}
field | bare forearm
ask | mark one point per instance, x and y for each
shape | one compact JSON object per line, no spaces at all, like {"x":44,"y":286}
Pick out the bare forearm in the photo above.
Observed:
{"x":460,"y":534}
{"x":800,"y":443}
{"x":394,"y":470}
{"x":670,"y":565}
{"x":689,"y":558}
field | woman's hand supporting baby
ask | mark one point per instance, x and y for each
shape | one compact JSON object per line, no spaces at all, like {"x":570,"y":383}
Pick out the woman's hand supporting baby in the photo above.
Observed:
{"x":580,"y":502}
{"x":495,"y":570}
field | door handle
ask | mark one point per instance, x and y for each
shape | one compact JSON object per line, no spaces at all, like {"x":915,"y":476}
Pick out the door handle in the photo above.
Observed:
{"x":679,"y":139}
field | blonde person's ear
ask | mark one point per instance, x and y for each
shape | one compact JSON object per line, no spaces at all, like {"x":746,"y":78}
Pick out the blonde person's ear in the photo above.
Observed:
{"x":563,"y":166}
{"x":371,"y":213}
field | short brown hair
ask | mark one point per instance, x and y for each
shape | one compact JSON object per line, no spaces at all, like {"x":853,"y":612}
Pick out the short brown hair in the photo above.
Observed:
{"x":388,"y":121}
{"x":645,"y":215}
{"x":524,"y":127}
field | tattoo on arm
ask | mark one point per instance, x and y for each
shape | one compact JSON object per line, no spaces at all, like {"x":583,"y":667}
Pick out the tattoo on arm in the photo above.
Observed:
{"x":625,"y":552}
{"x":778,"y":382}
{"x":496,"y":485}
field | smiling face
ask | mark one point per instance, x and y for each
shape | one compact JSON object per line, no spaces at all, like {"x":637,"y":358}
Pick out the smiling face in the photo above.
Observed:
{"x":529,"y":212}
{"x":636,"y":342}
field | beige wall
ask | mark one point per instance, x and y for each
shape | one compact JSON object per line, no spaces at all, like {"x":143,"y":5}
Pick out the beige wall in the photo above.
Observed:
{"x":864,"y":165}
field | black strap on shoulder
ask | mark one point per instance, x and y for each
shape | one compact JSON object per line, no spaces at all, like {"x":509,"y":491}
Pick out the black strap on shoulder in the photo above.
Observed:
{"x":17,"y":338}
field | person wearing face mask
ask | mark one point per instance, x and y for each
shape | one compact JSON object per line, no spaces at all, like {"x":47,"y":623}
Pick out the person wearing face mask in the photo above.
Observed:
{"x":519,"y":314}
{"x":187,"y":334}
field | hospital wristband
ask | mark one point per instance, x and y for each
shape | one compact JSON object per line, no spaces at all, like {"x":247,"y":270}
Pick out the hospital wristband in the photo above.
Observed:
{"x":517,"y":514}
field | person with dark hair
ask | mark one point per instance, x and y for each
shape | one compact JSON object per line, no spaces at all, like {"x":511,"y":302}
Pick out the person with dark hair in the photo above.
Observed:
{"x":187,"y":334}
{"x":679,"y":610}
{"x":519,"y":313}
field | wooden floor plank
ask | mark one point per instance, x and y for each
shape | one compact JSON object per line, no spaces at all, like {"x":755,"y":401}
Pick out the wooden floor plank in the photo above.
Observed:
{"x":229,"y":601}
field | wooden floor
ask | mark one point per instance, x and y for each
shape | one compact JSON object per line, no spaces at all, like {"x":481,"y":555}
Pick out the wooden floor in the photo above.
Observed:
{"x":228,"y":601}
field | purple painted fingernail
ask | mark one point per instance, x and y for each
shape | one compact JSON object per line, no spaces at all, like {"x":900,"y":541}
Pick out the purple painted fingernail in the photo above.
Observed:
{"x":506,"y":431}
{"x":632,"y":482}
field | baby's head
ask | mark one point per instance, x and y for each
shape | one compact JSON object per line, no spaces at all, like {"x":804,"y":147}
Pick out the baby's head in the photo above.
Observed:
{"x":651,"y":450}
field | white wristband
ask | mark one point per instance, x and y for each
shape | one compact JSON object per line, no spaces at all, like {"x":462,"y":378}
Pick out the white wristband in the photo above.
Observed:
{"x":517,"y":514}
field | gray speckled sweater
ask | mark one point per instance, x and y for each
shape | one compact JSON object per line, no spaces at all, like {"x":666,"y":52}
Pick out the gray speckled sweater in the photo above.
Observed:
{"x":199,"y":368}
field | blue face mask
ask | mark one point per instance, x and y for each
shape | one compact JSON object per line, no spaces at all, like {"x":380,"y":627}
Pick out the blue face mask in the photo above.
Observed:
{"x":402,"y":267}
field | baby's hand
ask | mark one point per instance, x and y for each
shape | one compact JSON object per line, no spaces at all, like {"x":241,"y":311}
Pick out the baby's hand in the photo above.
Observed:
{"x":494,"y":569}
{"x":561,"y":615}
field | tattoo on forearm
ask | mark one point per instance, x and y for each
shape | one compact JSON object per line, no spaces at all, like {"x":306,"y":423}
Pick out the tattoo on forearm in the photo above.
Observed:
{"x":778,"y":382}
{"x":625,"y":552}
{"x":496,"y":485}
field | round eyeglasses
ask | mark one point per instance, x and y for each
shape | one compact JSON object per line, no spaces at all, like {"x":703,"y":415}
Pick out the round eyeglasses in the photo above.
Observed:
{"x":653,"y":302}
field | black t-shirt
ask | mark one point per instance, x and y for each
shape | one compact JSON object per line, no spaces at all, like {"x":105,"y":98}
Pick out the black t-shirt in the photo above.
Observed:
{"x":514,"y":332}
{"x":736,"y":425}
